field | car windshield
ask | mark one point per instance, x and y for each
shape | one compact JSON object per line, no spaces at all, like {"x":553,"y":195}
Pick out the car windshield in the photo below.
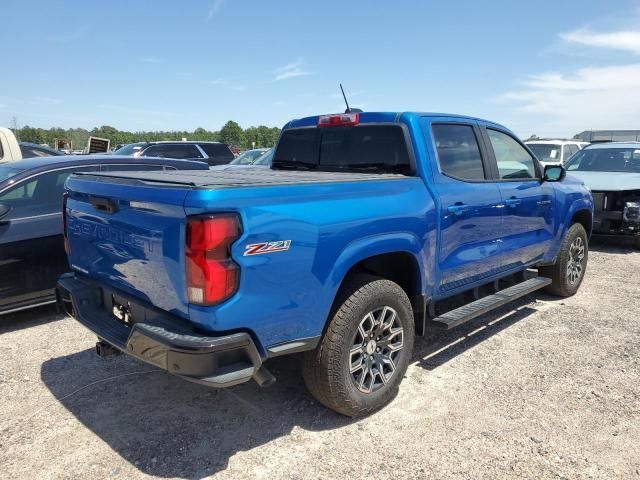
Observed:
{"x":129,"y":149}
{"x":248,"y":157}
{"x":265,"y":159}
{"x":546,"y":152}
{"x":606,"y":160}
{"x":7,"y":172}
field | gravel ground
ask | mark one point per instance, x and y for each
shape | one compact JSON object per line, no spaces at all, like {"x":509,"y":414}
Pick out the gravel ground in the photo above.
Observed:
{"x":545,"y":389}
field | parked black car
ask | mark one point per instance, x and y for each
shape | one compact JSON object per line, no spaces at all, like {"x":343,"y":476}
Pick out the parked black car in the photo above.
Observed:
{"x":30,"y":150}
{"x":214,"y":153}
{"x":32,"y":255}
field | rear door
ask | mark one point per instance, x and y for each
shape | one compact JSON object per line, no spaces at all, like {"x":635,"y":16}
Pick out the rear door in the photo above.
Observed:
{"x":32,"y":253}
{"x":470,"y":205}
{"x":529,"y":225}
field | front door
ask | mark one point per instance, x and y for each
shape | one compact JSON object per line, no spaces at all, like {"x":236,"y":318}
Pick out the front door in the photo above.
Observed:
{"x":32,"y":253}
{"x":528,"y":225}
{"x":470,"y":207}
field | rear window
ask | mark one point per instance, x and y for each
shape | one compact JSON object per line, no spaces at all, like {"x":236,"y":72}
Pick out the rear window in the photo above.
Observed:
{"x":370,"y":148}
{"x":217,"y":150}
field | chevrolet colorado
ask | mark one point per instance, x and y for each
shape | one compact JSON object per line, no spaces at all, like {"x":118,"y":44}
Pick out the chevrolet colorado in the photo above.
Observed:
{"x":342,"y":251}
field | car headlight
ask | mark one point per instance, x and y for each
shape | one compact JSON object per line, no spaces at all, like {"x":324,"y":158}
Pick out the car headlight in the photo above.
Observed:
{"x":631,"y":212}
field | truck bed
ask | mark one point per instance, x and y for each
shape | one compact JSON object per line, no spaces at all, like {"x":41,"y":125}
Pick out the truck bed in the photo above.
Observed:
{"x":245,"y":177}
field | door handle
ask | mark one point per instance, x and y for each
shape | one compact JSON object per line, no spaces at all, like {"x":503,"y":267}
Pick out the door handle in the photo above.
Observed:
{"x":512,"y":202}
{"x":457,"y":208}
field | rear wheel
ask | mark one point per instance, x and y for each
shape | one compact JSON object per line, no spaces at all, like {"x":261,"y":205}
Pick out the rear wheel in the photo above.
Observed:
{"x":365,"y":352}
{"x":568,"y":271}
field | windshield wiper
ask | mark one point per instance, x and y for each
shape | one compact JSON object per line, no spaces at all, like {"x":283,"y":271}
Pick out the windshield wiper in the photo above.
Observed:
{"x":294,"y":165}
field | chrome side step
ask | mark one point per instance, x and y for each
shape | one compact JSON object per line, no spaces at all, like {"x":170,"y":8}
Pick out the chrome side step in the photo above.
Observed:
{"x":479,"y":307}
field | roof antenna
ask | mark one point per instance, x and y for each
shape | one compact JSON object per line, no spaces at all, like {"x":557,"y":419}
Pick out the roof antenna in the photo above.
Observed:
{"x":349,"y":109}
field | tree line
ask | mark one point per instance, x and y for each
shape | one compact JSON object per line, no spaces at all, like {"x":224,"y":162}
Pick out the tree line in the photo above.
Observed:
{"x":231,"y":133}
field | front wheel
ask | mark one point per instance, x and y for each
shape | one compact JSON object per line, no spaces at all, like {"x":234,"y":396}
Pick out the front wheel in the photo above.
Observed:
{"x":365,"y":352}
{"x":568,"y":272}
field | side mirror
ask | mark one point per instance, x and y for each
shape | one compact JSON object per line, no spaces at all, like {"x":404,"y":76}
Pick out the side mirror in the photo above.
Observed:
{"x":554,"y":173}
{"x":4,"y":209}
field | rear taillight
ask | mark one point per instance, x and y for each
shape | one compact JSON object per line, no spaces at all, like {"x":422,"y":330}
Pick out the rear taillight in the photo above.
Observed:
{"x":64,"y":223}
{"x":338,"y":120}
{"x":212,"y":275}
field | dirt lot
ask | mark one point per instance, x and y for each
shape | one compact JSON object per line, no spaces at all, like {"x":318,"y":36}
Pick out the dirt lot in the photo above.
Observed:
{"x":547,"y":389}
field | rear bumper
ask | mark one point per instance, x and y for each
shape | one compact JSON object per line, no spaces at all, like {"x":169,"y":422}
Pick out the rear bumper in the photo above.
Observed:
{"x":162,"y":340}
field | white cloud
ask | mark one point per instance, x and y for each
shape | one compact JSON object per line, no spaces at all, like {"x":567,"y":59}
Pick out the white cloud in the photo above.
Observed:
{"x":593,"y":97}
{"x":215,"y":7}
{"x":291,"y":70}
{"x":628,"y":41}
{"x":154,"y":60}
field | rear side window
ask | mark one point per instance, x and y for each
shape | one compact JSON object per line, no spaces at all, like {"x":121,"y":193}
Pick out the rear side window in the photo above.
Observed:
{"x":569,"y":150}
{"x":458,"y":151}
{"x":370,"y":148}
{"x":216,"y":150}
{"x":513,"y":160}
{"x":186,"y":151}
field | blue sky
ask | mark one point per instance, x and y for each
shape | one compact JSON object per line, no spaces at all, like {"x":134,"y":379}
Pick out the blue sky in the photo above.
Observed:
{"x":551,"y":68}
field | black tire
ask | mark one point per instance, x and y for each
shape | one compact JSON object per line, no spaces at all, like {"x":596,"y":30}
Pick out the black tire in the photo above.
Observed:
{"x":327,"y":369}
{"x":563,"y":283}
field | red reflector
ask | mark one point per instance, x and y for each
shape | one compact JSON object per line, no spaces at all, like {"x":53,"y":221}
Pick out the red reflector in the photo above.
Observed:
{"x":212,"y":275}
{"x":338,"y":120}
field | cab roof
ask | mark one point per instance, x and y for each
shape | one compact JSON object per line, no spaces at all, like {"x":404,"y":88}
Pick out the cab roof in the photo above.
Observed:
{"x":386,"y":117}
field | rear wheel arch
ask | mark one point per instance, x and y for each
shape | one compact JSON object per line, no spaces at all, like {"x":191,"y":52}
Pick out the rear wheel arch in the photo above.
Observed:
{"x":400,"y":267}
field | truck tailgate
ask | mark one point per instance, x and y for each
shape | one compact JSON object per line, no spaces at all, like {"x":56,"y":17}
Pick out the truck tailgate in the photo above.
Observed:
{"x":130,"y":236}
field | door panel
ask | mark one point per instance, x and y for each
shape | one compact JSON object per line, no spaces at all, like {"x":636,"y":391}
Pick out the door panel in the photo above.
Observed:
{"x":528,"y":220}
{"x":528,"y":225}
{"x":470,"y":206}
{"x":470,"y":248}
{"x":31,"y":258}
{"x":32,"y":255}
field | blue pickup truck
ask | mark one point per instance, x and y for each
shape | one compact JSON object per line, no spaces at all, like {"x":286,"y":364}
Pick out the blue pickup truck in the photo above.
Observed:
{"x":342,"y":251}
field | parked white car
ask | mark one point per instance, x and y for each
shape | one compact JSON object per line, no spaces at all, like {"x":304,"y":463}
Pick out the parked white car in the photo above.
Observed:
{"x":554,"y":152}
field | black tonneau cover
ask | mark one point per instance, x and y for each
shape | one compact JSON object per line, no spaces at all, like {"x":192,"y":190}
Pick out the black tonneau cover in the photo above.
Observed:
{"x":241,"y":177}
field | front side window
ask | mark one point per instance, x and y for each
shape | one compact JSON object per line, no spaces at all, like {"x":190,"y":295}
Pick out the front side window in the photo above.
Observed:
{"x":41,"y":195}
{"x":181,"y":152}
{"x":514,"y":162}
{"x":458,"y":151}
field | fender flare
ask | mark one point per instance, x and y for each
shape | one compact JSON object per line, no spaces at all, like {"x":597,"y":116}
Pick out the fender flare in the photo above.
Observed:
{"x":371,"y":246}
{"x":576,"y":206}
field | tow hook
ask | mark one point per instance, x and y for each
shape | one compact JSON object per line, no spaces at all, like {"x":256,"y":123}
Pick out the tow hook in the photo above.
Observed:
{"x":264,"y":377}
{"x":104,"y":349}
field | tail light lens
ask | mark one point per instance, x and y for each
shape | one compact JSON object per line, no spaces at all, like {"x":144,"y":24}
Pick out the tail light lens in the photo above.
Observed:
{"x":64,"y":223}
{"x":212,"y":275}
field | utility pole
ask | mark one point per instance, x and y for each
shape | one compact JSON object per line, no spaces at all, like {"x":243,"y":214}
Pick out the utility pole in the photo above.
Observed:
{"x":14,"y":127}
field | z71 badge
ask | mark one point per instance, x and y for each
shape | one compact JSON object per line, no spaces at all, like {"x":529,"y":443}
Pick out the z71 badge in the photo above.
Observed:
{"x":266,"y":247}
